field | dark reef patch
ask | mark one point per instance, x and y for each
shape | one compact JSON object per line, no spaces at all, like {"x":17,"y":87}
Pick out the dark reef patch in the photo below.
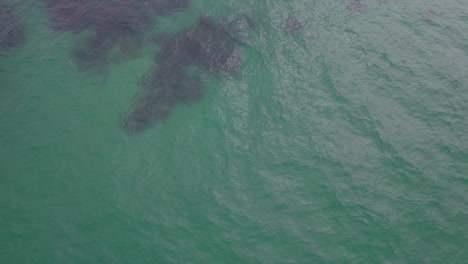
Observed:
{"x":116,"y":28}
{"x":161,"y":91}
{"x":11,"y":29}
{"x":206,"y":46}
{"x":357,"y":5}
{"x":292,"y":25}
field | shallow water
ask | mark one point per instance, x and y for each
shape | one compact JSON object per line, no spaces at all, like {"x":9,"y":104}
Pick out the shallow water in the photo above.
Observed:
{"x":344,"y":141}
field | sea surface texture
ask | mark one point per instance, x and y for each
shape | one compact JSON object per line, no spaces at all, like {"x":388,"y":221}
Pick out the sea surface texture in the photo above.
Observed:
{"x":308,"y":131}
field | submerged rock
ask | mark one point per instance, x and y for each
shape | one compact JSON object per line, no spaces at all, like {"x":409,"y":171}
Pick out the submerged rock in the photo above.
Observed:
{"x":116,"y":27}
{"x":357,"y":5}
{"x":291,"y":25}
{"x":11,"y":29}
{"x":430,"y":16}
{"x":161,"y":92}
{"x":206,"y":46}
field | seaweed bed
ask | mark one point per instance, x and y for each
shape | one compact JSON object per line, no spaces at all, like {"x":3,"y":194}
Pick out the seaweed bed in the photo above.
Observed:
{"x":11,"y":29}
{"x":114,"y":25}
{"x":208,"y":46}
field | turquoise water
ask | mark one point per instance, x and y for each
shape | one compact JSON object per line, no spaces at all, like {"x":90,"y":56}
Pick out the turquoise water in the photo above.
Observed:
{"x":345,"y":142}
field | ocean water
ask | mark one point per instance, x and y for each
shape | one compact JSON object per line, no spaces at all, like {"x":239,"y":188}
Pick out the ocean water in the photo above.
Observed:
{"x":343,"y":142}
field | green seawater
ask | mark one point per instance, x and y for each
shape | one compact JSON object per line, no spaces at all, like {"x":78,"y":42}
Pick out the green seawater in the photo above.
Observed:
{"x":346,"y":142}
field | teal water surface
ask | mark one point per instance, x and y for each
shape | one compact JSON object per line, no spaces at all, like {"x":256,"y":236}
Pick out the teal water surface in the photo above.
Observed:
{"x":344,"y":142}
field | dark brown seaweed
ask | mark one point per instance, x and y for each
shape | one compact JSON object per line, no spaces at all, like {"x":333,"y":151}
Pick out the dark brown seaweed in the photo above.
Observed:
{"x":204,"y":47}
{"x":11,"y":29}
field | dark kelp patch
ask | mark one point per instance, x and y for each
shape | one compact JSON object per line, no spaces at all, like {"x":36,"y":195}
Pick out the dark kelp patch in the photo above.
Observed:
{"x":11,"y":29}
{"x":116,"y":29}
{"x":208,"y":46}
